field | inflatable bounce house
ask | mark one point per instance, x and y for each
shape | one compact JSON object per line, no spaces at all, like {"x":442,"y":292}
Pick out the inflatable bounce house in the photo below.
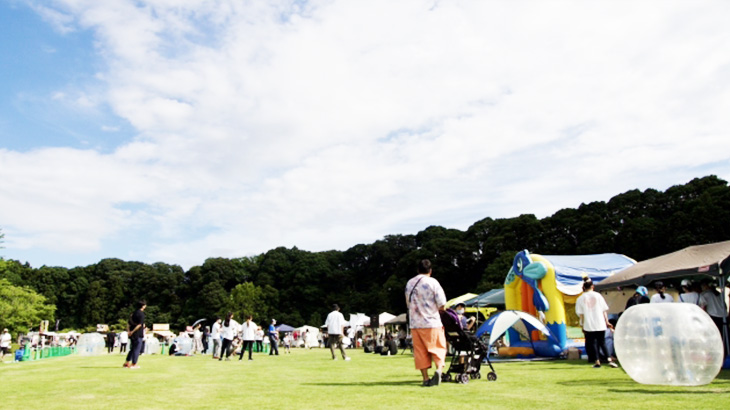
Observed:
{"x":547,"y":287}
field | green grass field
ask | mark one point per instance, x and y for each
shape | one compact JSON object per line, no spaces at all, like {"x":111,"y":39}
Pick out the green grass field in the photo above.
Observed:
{"x":309,"y":379}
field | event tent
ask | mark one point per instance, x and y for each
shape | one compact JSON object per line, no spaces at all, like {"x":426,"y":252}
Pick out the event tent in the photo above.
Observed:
{"x":284,"y":328}
{"x":398,"y":320}
{"x":313,"y":333}
{"x":712,"y":259}
{"x":462,"y":298}
{"x":490,"y":298}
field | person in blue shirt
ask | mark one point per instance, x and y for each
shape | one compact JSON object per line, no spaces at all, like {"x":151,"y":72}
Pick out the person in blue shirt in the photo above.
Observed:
{"x":273,"y":338}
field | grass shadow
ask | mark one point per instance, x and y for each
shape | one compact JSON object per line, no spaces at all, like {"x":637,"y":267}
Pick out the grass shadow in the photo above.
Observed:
{"x":367,"y":384}
{"x":662,"y":392}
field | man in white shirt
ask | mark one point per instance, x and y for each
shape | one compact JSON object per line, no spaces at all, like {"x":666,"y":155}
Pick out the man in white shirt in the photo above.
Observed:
{"x":5,"y":340}
{"x":591,"y":308}
{"x":336,"y":329}
{"x":215,"y":336}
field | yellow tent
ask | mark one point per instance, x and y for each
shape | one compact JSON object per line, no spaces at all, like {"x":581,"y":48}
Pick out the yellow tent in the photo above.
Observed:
{"x":485,"y":311}
{"x":462,"y":298}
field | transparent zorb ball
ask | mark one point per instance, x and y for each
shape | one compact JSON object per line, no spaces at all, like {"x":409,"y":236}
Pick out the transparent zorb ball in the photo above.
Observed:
{"x":151,"y":346}
{"x":91,"y":344}
{"x":668,"y":343}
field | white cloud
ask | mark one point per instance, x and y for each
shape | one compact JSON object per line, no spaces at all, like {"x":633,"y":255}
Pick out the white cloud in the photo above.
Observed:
{"x":328,"y":123}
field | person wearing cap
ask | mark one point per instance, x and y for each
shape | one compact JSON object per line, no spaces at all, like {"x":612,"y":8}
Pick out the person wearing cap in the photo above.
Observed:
{"x":425,"y":300}
{"x":273,"y":338}
{"x":639,"y":297}
{"x":688,"y":294}
{"x":336,"y":329}
{"x":661,"y":296}
{"x":5,"y":340}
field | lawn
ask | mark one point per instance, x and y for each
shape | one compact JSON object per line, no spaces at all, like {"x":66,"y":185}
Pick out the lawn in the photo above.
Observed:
{"x":309,"y":379}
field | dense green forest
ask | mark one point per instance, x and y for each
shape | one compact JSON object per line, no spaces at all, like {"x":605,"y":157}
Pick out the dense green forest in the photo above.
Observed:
{"x":298,"y":287}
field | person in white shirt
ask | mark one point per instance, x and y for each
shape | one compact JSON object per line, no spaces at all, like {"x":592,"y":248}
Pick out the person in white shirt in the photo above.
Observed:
{"x":591,"y":308}
{"x":248,"y":335}
{"x":5,"y":340}
{"x":688,"y":294}
{"x":123,"y":341}
{"x":229,"y":330}
{"x":336,"y":329}
{"x":711,"y":302}
{"x":259,"y":339}
{"x":661,"y":296}
{"x":215,"y":336}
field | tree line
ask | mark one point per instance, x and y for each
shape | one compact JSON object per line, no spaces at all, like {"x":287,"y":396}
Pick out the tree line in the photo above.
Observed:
{"x":297,"y":287}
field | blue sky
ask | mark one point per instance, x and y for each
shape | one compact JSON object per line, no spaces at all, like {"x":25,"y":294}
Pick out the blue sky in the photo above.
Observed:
{"x":177,"y":131}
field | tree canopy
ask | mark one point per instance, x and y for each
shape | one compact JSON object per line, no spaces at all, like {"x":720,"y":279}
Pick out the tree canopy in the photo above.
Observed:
{"x":297,"y":287}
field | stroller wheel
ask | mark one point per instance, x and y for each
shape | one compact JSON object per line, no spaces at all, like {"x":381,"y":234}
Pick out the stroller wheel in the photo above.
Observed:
{"x":491,"y":376}
{"x":464,"y":378}
{"x":477,"y":375}
{"x":446,"y":377}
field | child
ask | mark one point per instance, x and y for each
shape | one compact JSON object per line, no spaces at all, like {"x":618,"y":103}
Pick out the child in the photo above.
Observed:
{"x":287,"y":343}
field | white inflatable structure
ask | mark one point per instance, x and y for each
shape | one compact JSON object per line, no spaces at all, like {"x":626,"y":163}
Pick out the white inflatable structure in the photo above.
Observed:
{"x":668,"y":343}
{"x":151,"y":346}
{"x":91,"y":344}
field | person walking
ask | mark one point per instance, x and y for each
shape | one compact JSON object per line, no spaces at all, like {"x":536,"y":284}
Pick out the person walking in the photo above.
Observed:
{"x":5,"y":341}
{"x":215,"y":336}
{"x":335,"y":324}
{"x":591,"y":308}
{"x":273,"y":338}
{"x":229,"y":330}
{"x":248,"y":335}
{"x":425,"y":298}
{"x":136,"y":335}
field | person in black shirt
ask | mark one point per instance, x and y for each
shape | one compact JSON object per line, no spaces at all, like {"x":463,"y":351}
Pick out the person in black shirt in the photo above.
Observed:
{"x":136,"y":335}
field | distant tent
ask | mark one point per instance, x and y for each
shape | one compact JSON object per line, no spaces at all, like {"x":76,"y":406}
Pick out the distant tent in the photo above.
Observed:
{"x":284,"y":328}
{"x":398,"y":320}
{"x":461,"y":298}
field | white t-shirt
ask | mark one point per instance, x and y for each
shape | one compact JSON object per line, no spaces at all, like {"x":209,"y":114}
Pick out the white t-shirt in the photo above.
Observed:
{"x":335,"y":322}
{"x":690,"y":297}
{"x":5,"y":340}
{"x":592,"y":305}
{"x":249,"y":330}
{"x":228,"y":332}
{"x":216,"y":332}
{"x":124,"y":337}
{"x":711,"y":303}
{"x":657,"y":298}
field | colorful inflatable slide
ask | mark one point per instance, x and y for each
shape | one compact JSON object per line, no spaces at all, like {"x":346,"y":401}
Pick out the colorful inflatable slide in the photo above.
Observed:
{"x":547,"y":287}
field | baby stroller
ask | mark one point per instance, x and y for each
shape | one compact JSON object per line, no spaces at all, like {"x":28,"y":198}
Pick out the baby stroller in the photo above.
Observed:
{"x":466,"y":366}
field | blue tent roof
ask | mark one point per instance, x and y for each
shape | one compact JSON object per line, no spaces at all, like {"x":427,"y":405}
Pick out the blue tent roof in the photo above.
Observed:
{"x":570,"y":270}
{"x":284,"y":328}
